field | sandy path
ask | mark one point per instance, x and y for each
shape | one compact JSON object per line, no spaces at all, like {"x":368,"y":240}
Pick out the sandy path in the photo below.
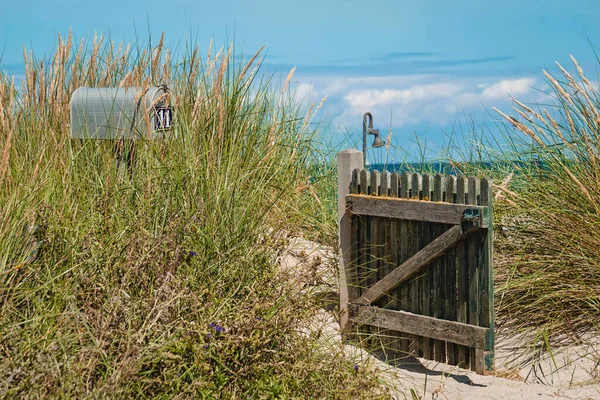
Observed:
{"x":572,"y":373}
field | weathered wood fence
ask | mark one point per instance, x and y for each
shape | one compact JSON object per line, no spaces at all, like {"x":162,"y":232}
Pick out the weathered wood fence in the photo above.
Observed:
{"x":415,"y":265}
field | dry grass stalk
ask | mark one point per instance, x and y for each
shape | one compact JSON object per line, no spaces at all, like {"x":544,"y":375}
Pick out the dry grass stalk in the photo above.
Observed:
{"x":140,"y":69}
{"x":125,"y":56}
{"x":388,"y":141}
{"x":166,"y":69}
{"x":66,"y":51}
{"x":156,"y":57}
{"x":191,"y":73}
{"x":53,"y":71}
{"x":308,"y":121}
{"x":37,"y":166}
{"x":570,"y":119}
{"x":30,"y":78}
{"x":210,"y":45}
{"x":307,"y":117}
{"x":127,"y":80}
{"x":250,"y":63}
{"x":42,"y":89}
{"x":568,"y":76}
{"x":323,"y":100}
{"x":6,"y":127}
{"x":76,"y":80}
{"x":196,"y":109}
{"x":219,"y":89}
{"x":533,"y":124}
{"x":529,"y":110}
{"x":92,"y":65}
{"x":287,"y":81}
{"x":503,"y":187}
{"x":211,"y":65}
{"x":581,"y":74}
{"x":581,"y":186}
{"x":521,"y":127}
{"x":111,"y":66}
{"x":559,"y":87}
{"x":557,"y":129}
{"x":248,"y":80}
{"x":582,"y":91}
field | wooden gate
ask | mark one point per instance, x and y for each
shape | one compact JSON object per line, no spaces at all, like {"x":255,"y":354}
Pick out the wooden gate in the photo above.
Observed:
{"x":416,"y":255}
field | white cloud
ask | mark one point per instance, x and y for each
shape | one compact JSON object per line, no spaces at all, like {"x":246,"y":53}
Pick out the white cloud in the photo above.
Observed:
{"x":508,"y":87}
{"x":365,"y":99}
{"x":418,"y":99}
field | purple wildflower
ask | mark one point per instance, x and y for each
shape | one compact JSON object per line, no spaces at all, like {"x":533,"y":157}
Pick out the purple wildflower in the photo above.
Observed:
{"x":193,"y":253}
{"x":355,"y":368}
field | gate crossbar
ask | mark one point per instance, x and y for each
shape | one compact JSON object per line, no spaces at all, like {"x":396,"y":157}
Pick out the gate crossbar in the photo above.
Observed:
{"x":415,"y":210}
{"x":456,"y":332}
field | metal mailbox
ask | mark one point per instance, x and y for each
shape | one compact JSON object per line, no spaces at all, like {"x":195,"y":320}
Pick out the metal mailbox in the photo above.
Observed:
{"x":120,"y":113}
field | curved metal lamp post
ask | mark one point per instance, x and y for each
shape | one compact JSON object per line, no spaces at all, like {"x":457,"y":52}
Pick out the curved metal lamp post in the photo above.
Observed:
{"x":377,"y":142}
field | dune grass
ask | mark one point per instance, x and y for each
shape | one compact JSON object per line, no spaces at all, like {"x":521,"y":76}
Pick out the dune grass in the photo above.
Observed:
{"x":551,"y":212}
{"x":161,"y":282}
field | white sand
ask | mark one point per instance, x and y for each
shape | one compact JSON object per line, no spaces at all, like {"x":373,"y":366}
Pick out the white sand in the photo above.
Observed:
{"x":570,"y":373}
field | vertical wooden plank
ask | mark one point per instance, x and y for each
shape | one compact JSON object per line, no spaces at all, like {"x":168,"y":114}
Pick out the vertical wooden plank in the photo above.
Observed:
{"x":433,"y":233}
{"x":355,"y":182}
{"x":486,"y":280}
{"x":384,"y":252}
{"x":374,"y":239}
{"x":384,"y":234}
{"x":451,"y":300}
{"x":405,"y":182}
{"x":364,"y":181}
{"x":403,"y":289}
{"x":355,"y":189}
{"x":437,"y":272}
{"x":384,"y":188}
{"x":462,"y":276}
{"x":356,"y":268}
{"x":395,"y":260}
{"x":374,"y":246}
{"x":363,"y":238}
{"x":413,"y":282}
{"x":354,"y":272}
{"x":426,"y":279}
{"x":473,"y":304}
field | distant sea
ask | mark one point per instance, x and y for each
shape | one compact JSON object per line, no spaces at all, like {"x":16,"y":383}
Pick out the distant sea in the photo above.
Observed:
{"x":444,"y":168}
{"x":430,"y":167}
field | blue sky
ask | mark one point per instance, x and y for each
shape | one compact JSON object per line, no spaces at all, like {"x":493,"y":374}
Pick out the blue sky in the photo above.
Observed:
{"x":413,"y":64}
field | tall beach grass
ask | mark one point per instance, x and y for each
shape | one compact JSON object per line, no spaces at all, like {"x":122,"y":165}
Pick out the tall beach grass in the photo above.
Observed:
{"x":551,"y":275}
{"x":161,"y":282}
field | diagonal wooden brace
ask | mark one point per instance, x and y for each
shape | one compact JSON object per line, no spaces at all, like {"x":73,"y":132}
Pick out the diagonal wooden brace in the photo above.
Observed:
{"x":426,"y":255}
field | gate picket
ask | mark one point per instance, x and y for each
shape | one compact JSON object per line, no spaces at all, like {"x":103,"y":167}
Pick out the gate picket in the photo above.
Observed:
{"x":402,"y":290}
{"x":451,"y":300}
{"x":473,"y":261}
{"x":373,"y":265}
{"x":426,"y":278}
{"x":415,"y":235}
{"x":395,"y":259}
{"x":462,"y":276}
{"x":437,"y":272}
